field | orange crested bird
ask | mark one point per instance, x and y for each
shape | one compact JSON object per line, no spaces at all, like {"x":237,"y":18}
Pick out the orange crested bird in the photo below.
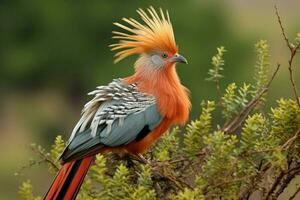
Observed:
{"x":129,"y":114}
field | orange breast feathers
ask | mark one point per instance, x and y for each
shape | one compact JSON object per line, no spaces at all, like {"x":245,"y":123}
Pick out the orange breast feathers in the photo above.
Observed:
{"x":172,"y":99}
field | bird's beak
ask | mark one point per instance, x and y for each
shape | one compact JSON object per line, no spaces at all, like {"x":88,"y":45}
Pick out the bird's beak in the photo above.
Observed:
{"x":179,"y":58}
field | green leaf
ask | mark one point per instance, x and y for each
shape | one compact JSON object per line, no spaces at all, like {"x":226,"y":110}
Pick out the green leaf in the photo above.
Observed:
{"x":197,"y":129}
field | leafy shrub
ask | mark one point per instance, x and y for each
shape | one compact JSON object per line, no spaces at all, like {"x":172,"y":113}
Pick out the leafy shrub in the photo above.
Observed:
{"x":260,"y":153}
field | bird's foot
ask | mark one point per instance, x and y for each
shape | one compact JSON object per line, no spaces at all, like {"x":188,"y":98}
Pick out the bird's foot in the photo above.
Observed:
{"x":140,"y":158}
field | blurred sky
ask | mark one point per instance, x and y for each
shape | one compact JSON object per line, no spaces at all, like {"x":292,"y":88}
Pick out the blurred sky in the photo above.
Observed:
{"x":53,"y":52}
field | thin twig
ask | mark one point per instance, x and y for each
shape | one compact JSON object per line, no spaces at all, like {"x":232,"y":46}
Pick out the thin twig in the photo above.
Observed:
{"x":202,"y":153}
{"x":45,"y":158}
{"x":273,"y":75}
{"x":282,"y":29}
{"x":290,"y":141}
{"x":293,"y":51}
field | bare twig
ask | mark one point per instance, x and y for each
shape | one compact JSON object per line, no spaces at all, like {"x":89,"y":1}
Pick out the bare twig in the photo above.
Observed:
{"x":273,"y":76}
{"x":182,"y":159}
{"x":290,"y":141}
{"x":241,"y":116}
{"x":293,"y":51}
{"x":45,"y":158}
{"x":282,"y":29}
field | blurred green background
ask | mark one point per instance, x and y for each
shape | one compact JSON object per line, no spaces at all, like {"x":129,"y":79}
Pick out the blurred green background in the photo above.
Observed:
{"x":53,"y":52}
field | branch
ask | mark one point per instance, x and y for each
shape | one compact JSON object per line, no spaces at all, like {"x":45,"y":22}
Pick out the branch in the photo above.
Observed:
{"x":282,"y":181}
{"x":293,"y":51}
{"x":241,"y":116}
{"x":282,"y":174}
{"x":290,"y":175}
{"x":253,"y":182}
{"x":284,"y":178}
{"x":275,"y":184}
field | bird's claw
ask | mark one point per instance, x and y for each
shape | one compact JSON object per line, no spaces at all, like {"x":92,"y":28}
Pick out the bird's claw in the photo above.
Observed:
{"x":140,"y":158}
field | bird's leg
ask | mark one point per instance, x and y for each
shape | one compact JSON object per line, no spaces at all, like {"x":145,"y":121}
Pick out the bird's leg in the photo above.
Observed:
{"x":116,"y":156}
{"x":146,"y":161}
{"x":139,"y":158}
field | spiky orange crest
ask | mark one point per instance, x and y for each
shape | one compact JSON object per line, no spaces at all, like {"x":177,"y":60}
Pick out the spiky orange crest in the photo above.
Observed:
{"x":156,"y":35}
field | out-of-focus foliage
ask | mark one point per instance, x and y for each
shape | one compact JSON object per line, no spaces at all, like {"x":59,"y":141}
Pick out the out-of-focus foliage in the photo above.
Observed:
{"x":60,"y":49}
{"x":26,"y":191}
{"x":208,"y":163}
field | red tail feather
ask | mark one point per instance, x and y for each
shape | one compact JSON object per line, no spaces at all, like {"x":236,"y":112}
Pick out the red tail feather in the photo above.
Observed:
{"x":68,"y":181}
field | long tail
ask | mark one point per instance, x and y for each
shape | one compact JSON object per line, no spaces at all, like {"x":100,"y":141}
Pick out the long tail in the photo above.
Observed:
{"x":68,"y":181}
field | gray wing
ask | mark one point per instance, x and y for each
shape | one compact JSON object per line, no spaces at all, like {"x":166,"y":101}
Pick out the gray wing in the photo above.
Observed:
{"x":117,"y":115}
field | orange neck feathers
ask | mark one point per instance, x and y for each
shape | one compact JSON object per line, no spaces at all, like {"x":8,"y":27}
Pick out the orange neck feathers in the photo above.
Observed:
{"x":164,"y":84}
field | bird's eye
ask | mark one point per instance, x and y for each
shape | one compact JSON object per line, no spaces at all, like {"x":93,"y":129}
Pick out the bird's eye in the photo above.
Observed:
{"x":164,"y":55}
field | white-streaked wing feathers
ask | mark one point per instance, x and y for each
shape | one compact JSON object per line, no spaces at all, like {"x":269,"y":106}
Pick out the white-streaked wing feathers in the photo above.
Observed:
{"x":113,"y":102}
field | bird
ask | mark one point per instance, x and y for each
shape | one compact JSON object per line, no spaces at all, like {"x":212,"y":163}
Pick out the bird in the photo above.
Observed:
{"x":129,"y":114}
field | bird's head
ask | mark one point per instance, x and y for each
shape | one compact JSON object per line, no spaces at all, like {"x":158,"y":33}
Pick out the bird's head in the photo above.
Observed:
{"x":153,"y":40}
